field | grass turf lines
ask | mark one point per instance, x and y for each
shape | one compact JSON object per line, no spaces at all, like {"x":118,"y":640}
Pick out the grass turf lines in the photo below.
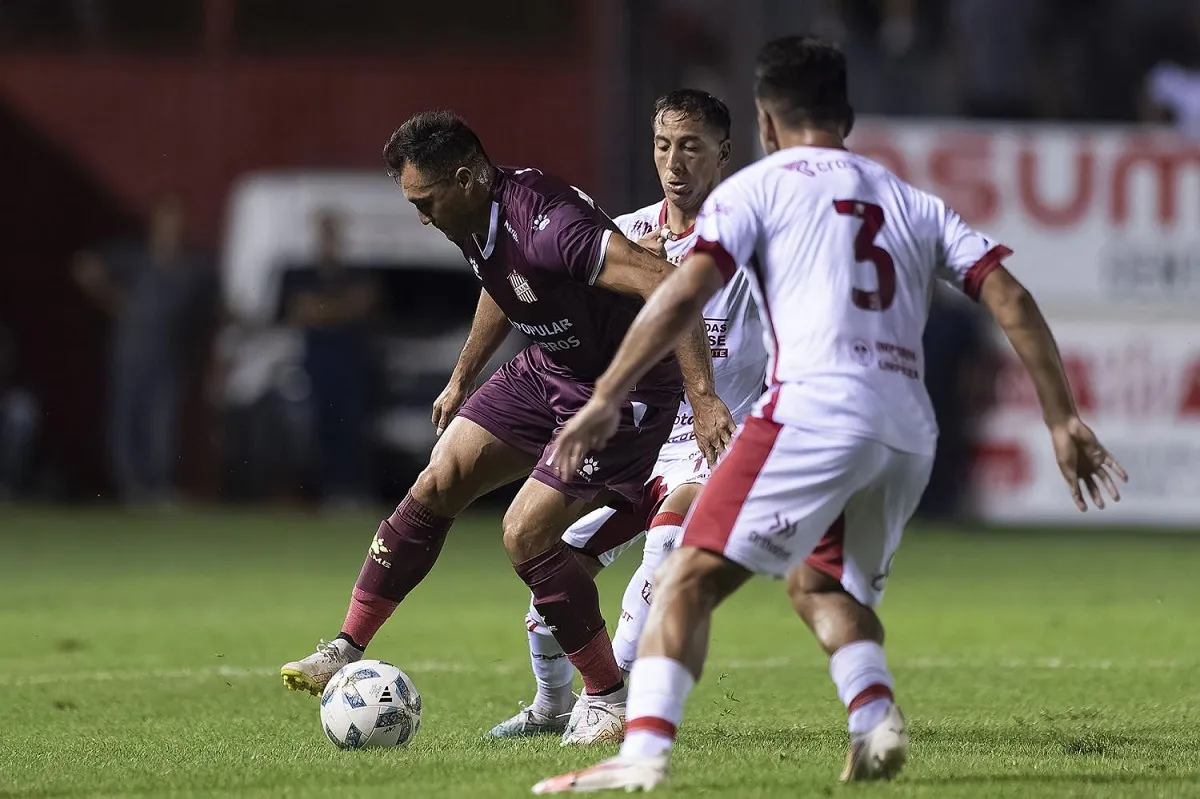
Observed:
{"x":142,"y":656}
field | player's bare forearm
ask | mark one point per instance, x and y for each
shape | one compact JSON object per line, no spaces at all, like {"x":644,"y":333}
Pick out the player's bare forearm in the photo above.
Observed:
{"x":669,"y":315}
{"x":1019,"y":316}
{"x":712,"y":423}
{"x":489,"y":329}
{"x":695,"y":361}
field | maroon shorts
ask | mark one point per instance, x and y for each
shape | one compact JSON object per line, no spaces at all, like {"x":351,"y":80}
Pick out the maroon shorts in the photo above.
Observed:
{"x":525,"y":407}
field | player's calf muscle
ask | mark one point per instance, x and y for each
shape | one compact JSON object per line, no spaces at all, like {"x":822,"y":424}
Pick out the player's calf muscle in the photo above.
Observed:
{"x":692,"y":582}
{"x":680,"y":500}
{"x":834,"y":616}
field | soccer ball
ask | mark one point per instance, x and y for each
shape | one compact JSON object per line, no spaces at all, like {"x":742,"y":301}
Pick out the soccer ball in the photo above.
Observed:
{"x":370,"y":704}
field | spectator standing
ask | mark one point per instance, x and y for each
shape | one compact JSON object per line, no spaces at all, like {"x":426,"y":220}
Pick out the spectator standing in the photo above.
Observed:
{"x":333,"y":305}
{"x":157,"y":292}
{"x":19,"y":417}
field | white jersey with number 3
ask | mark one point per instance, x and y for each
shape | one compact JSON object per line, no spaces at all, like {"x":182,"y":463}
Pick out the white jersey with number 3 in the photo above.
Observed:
{"x":842,"y":257}
{"x":735,"y":335}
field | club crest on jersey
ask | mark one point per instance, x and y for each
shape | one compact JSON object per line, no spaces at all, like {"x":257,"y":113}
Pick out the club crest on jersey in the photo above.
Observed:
{"x":521,"y":287}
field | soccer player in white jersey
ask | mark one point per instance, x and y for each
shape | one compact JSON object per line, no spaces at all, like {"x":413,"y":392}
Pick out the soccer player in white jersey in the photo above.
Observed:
{"x":843,"y":255}
{"x":691,"y":147}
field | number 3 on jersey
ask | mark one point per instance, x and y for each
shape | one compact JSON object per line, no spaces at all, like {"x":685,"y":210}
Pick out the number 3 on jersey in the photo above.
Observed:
{"x":865,"y":249}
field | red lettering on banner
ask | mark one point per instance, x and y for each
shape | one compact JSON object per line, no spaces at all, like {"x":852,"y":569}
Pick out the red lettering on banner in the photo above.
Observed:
{"x":960,"y":165}
{"x":1013,"y":386}
{"x":1129,"y":380}
{"x":881,"y":149}
{"x":1191,"y":391}
{"x":1064,"y":214}
{"x":1167,"y":165}
{"x":1079,"y":375}
{"x":1001,"y":464}
{"x":1016,"y":390}
{"x":970,"y":170}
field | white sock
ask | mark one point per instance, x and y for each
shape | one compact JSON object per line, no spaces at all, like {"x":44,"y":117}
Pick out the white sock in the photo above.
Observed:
{"x":864,"y":684}
{"x":553,"y":672}
{"x":658,"y":690}
{"x":635,"y":605}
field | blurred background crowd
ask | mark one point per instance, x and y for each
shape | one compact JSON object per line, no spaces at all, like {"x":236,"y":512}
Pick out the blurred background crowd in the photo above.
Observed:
{"x":209,"y":290}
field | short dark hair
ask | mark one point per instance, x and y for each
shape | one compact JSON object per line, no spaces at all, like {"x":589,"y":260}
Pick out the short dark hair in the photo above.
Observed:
{"x":695,"y":104}
{"x":803,"y":79}
{"x":435,"y":142}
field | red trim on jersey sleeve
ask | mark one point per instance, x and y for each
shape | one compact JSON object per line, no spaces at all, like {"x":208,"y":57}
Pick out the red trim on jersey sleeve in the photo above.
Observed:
{"x":973,"y":278}
{"x":725,"y":262}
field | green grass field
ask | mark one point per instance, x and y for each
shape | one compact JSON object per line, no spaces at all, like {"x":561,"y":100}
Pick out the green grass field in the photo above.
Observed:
{"x":141,"y":658}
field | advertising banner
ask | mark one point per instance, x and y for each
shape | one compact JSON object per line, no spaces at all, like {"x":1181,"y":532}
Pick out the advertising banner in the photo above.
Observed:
{"x":1098,"y":216}
{"x":1138,"y":386}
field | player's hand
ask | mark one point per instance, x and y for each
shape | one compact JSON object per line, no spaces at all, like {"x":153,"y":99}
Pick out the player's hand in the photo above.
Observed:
{"x":1085,"y":463}
{"x":656,"y":241}
{"x":713,"y":425}
{"x":589,"y":430}
{"x":448,"y":402}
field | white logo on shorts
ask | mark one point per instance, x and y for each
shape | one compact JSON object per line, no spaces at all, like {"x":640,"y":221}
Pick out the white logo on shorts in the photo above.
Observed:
{"x":589,"y":467}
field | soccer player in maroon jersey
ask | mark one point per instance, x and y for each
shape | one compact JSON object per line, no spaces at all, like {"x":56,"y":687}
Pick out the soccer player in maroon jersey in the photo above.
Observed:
{"x":555,"y":267}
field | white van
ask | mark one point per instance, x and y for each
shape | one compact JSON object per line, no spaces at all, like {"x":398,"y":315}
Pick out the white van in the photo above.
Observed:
{"x":430,"y":293}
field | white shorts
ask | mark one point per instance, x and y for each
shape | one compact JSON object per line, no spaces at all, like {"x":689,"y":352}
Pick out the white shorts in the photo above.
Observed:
{"x":785,"y":495}
{"x":606,"y":533}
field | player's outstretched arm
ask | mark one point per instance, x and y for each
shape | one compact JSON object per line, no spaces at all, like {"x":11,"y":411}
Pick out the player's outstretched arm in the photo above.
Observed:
{"x":1083,"y":460}
{"x":669,"y":314}
{"x":630,"y":268}
{"x":489,"y":328}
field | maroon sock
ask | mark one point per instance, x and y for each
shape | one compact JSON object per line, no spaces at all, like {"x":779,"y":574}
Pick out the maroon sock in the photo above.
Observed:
{"x":404,"y":550}
{"x":565,"y":594}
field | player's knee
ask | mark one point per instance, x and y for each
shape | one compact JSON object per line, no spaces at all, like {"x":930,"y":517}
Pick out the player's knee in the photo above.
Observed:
{"x":430,"y":489}
{"x":526,"y":536}
{"x":440,"y":486}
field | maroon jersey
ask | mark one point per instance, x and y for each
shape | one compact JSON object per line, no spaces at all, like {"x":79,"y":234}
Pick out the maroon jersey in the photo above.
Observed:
{"x":544,"y":250}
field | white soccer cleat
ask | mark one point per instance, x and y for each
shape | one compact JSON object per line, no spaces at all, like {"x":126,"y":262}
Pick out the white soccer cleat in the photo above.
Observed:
{"x":880,"y":753}
{"x":615,"y":774}
{"x":313,"y":672}
{"x":529,"y":723}
{"x":594,"y":720}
